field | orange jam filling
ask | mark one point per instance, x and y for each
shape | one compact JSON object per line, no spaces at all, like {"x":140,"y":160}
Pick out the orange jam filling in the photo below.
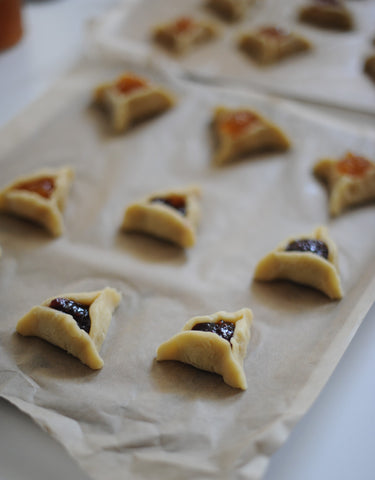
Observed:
{"x":127,"y":83}
{"x":182,"y":25}
{"x":353,"y":165}
{"x":274,"y":32}
{"x":235,"y":123}
{"x":42,"y":186}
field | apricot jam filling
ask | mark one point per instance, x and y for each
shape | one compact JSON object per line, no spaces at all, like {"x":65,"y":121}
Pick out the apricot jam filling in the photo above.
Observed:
{"x":42,"y":186}
{"x":353,"y":165}
{"x":128,"y":83}
{"x":178,"y":202}
{"x":182,"y":25}
{"x":273,"y":32}
{"x":78,"y":311}
{"x":308,"y":245}
{"x":236,"y":123}
{"x":222,"y":328}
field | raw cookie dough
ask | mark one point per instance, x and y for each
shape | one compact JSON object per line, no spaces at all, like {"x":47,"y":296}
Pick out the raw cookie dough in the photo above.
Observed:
{"x":270,"y":44}
{"x":63,"y":330}
{"x":172,"y":215}
{"x":330,"y":14}
{"x":208,"y":350}
{"x":130,"y":98}
{"x":39,"y":197}
{"x":229,"y":10}
{"x":350,"y":180}
{"x":369,"y":67}
{"x":307,"y":259}
{"x":242,"y":131}
{"x":183,"y":34}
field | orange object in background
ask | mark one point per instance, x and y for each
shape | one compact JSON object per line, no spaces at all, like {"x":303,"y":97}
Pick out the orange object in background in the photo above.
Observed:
{"x":10,"y":23}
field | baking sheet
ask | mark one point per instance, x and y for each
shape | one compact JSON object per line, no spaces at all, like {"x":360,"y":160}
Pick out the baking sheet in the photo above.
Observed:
{"x":332,"y":73}
{"x":136,"y":417}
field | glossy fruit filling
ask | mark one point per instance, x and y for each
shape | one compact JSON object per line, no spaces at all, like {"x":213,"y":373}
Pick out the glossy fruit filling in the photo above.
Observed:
{"x":308,"y":245}
{"x":237,"y":122}
{"x":353,"y":165}
{"x":178,"y":202}
{"x":78,"y":311}
{"x":42,"y":186}
{"x":222,"y":328}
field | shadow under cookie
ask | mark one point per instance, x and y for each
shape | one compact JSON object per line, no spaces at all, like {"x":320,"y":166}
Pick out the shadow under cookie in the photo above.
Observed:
{"x":150,"y":249}
{"x":287,"y":296}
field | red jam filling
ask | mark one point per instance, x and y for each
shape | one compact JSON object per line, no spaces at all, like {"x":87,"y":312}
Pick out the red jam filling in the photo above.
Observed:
{"x":353,"y":165}
{"x":235,"y":123}
{"x":42,"y":186}
{"x":177,"y":202}
{"x":182,"y":25}
{"x":78,"y":311}
{"x":273,"y":32}
{"x":128,"y":83}
{"x":222,"y":328}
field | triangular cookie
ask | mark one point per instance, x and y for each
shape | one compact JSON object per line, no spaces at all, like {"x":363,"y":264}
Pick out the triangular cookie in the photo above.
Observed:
{"x":39,"y":197}
{"x":216,"y":343}
{"x":369,"y":67}
{"x":308,"y":259}
{"x":183,"y":34}
{"x":330,"y":14}
{"x":130,"y":98}
{"x":229,"y":10}
{"x":75,"y":322}
{"x":350,"y":180}
{"x":242,"y":131}
{"x":269,"y":44}
{"x":172,"y":215}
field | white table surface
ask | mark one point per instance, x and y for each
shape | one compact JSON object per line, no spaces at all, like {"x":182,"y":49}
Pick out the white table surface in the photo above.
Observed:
{"x":334,"y":440}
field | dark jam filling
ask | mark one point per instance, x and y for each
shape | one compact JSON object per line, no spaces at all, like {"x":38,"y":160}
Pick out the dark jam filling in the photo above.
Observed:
{"x":175,"y":201}
{"x":307,"y":245}
{"x":42,"y":186}
{"x":221,"y":328}
{"x":78,"y":311}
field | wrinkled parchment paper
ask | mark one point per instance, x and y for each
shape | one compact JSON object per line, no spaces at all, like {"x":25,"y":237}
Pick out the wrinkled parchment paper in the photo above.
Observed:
{"x":137,"y":418}
{"x":332,"y":73}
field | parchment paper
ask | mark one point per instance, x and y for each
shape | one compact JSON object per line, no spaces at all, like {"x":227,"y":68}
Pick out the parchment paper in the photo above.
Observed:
{"x":137,"y":418}
{"x":332,"y":73}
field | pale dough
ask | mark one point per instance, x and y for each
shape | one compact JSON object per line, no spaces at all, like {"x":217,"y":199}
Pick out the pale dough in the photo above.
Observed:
{"x":259,"y":135}
{"x":209,"y":351}
{"x":268,"y":45}
{"x":333,"y":16}
{"x":164,"y":221}
{"x":369,"y":67}
{"x":62,"y":330}
{"x":229,"y":10}
{"x":305,"y":268}
{"x":124,"y":109}
{"x":183,"y":34}
{"x":33,"y":206}
{"x":345,"y":189}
